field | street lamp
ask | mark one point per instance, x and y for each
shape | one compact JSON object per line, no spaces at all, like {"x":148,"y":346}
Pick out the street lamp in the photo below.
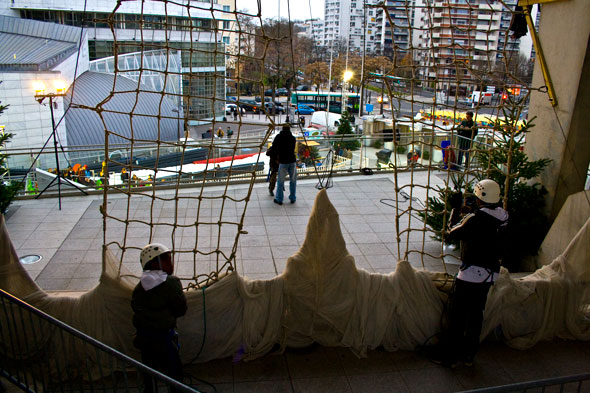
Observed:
{"x":40,"y":96}
{"x":346,"y":78}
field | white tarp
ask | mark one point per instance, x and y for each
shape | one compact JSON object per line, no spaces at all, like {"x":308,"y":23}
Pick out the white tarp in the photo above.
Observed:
{"x":322,"y":297}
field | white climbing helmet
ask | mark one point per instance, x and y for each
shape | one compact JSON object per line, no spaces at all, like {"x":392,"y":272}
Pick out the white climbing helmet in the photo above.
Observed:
{"x":151,"y":251}
{"x":488,"y":191}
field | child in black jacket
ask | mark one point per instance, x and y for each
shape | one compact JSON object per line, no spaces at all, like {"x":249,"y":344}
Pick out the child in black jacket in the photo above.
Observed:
{"x":479,"y":233}
{"x":157,"y":301}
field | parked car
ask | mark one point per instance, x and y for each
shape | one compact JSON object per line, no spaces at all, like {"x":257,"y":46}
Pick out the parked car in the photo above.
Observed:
{"x":229,"y":107}
{"x":281,"y":91}
{"x":266,"y":99}
{"x":273,"y":108}
{"x":302,"y":88}
{"x":268,"y":92}
{"x":250,"y":106}
{"x":303,"y":109}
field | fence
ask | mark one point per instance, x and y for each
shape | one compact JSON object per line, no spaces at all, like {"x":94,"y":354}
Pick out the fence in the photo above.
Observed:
{"x":573,"y":383}
{"x":402,"y":155}
{"x":39,"y":353}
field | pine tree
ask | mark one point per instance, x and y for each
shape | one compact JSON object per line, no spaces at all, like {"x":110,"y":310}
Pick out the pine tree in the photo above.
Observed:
{"x":508,"y":165}
{"x":344,"y":130}
{"x":8,"y":189}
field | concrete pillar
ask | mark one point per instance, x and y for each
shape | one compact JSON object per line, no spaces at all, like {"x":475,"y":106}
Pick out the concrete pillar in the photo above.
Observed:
{"x":562,"y":133}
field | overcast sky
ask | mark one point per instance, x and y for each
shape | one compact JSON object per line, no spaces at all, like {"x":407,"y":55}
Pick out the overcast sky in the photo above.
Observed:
{"x":300,"y":9}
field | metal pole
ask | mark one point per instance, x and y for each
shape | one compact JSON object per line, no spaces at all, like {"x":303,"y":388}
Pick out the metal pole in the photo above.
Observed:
{"x":362,"y":90}
{"x":382,"y":90}
{"x":56,"y":156}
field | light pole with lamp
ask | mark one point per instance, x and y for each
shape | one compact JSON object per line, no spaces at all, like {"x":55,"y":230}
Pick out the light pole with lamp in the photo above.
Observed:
{"x":346,"y":78}
{"x":40,"y":96}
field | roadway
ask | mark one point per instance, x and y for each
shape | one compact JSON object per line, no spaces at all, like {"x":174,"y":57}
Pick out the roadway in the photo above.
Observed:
{"x":251,"y":124}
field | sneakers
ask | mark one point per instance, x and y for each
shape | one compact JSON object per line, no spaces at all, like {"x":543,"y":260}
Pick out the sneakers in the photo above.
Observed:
{"x":468,"y":361}
{"x":438,"y":356}
{"x":277,"y":202}
{"x":271,"y":192}
{"x":443,"y":361}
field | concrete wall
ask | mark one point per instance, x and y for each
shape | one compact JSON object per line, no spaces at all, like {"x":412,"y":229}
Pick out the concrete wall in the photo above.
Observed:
{"x":29,"y":121}
{"x":562,"y":133}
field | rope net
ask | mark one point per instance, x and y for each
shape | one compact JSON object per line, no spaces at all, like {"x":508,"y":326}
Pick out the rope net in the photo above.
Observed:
{"x":178,"y":188}
{"x":427,"y":77}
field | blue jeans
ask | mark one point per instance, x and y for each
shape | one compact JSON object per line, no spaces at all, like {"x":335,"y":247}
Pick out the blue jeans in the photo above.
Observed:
{"x":291,"y":169}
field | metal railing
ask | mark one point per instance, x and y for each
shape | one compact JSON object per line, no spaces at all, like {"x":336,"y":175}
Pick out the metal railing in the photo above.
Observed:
{"x":428,"y":145}
{"x":572,"y":383}
{"x":39,"y":353}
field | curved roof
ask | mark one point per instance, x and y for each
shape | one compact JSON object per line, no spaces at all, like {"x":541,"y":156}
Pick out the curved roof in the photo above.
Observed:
{"x":30,"y":45}
{"x":150,"y":115}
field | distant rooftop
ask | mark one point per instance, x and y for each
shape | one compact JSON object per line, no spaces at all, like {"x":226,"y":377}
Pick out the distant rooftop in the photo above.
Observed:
{"x":126,"y":104}
{"x":29,"y":45}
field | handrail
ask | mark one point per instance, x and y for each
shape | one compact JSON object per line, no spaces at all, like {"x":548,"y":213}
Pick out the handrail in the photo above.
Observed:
{"x":541,"y":383}
{"x":13,"y":336}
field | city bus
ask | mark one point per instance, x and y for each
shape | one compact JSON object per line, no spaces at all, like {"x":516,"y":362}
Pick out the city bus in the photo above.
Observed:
{"x":318,"y":100}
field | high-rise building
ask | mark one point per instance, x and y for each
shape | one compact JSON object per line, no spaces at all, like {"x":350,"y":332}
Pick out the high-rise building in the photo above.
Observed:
{"x":197,"y":32}
{"x":313,"y":29}
{"x":351,"y":22}
{"x":508,"y":47}
{"x":394,"y":39}
{"x":457,"y":38}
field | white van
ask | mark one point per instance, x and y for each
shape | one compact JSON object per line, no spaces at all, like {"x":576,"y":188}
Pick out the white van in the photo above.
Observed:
{"x":483,"y":97}
{"x":325,"y":121}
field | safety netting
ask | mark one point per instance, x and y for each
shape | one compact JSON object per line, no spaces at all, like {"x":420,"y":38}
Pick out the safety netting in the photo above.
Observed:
{"x":321,"y":296}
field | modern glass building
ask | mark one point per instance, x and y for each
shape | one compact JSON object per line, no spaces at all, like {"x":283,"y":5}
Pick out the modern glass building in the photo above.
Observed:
{"x":137,"y":27}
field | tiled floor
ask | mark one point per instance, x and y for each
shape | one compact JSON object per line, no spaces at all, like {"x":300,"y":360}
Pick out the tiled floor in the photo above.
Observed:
{"x":319,"y":369}
{"x":69,"y":241}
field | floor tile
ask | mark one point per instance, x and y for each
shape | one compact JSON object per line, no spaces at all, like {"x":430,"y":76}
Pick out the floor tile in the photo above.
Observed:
{"x":377,"y":361}
{"x":390,"y":382}
{"x":321,"y":385}
{"x":314,"y":362}
{"x":436,"y":380}
{"x":267,"y":368}
{"x":283,"y":386}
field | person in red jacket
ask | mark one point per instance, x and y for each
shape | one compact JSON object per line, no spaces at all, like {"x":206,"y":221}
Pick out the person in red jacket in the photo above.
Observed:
{"x":157,"y":301}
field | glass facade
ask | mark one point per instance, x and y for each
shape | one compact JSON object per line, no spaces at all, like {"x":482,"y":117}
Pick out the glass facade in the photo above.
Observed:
{"x":203,"y":63}
{"x":204,"y":94}
{"x":119,"y":20}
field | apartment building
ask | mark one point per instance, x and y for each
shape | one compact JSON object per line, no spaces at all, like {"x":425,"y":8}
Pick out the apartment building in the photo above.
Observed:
{"x":351,"y":21}
{"x":394,"y":38}
{"x":456,"y":38}
{"x":313,"y":29}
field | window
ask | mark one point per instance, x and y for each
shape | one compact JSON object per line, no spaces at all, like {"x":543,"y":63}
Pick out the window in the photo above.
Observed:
{"x":226,"y":24}
{"x":225,"y":40}
{"x":226,"y":8}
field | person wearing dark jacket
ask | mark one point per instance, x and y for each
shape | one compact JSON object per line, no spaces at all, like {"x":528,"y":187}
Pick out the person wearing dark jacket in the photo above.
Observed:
{"x":157,"y":301}
{"x":479,"y":233}
{"x":284,"y":146}
{"x":467,"y":131}
{"x":273,"y":164}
